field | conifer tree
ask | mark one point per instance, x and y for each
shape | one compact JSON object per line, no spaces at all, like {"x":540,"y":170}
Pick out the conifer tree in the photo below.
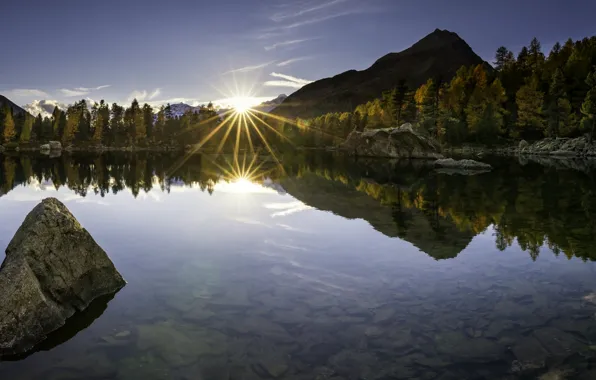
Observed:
{"x":27,"y":129}
{"x":37,"y":132}
{"x":559,"y":108}
{"x":9,"y":132}
{"x":588,"y":109}
{"x":148,"y":121}
{"x":427,"y":99}
{"x":530,"y":103}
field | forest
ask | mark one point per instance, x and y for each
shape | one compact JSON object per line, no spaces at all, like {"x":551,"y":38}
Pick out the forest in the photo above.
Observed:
{"x":530,"y":97}
{"x":102,"y":124}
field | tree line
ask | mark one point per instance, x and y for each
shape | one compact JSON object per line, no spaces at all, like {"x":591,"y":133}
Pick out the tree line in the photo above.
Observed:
{"x":530,"y":96}
{"x":102,"y":124}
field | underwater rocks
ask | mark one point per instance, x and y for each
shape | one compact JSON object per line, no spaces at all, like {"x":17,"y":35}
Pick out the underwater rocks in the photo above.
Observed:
{"x":400,"y":142}
{"x":53,"y":268}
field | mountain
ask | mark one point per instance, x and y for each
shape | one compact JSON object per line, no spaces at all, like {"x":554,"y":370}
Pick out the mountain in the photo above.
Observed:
{"x":438,"y":55}
{"x":179,"y":109}
{"x":16,"y":110}
{"x":270,"y":105}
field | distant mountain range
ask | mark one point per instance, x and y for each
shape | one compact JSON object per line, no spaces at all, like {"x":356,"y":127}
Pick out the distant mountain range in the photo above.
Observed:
{"x":270,"y":105}
{"x":438,"y":55}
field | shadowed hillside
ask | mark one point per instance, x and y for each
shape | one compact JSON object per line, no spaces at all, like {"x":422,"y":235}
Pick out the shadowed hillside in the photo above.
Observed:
{"x":438,"y":55}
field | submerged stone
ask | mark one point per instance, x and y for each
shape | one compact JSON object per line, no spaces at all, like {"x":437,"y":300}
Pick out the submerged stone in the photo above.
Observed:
{"x":53,"y":268}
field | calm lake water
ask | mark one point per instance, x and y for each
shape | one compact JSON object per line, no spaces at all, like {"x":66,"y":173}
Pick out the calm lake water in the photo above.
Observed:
{"x":321,"y":268}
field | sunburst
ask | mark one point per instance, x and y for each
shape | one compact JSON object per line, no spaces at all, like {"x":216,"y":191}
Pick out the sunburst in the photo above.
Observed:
{"x":244,"y":122}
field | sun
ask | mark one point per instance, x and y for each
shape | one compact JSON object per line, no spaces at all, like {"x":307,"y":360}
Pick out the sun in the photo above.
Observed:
{"x":242,"y":104}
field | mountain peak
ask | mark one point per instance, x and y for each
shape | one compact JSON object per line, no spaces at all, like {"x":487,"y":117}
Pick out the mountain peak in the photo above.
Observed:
{"x":438,"y":55}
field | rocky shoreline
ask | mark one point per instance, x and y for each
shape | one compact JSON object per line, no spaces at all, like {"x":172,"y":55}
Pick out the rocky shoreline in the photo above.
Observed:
{"x":560,"y":147}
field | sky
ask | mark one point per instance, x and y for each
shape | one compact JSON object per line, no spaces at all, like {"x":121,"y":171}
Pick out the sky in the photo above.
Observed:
{"x":196,"y":51}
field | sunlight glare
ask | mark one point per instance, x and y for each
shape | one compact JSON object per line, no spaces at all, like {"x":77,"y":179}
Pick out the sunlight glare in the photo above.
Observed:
{"x":242,"y":104}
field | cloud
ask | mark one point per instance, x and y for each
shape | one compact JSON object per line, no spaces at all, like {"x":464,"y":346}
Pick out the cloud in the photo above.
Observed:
{"x":80,"y":91}
{"x":26,"y":92}
{"x":247,"y":69}
{"x":292,"y":60}
{"x":287,"y":43}
{"x":299,"y":12}
{"x":44,"y":107}
{"x":322,"y":18}
{"x":142,"y":96}
{"x":288,"y":81}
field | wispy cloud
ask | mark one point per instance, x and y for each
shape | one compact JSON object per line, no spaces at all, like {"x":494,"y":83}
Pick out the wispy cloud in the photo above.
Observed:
{"x":292,"y":60}
{"x":247,"y":69}
{"x":287,"y":43}
{"x":312,"y":7}
{"x":144,"y":95}
{"x":80,"y":91}
{"x":322,"y":18}
{"x":26,"y":92}
{"x":287,"y":81}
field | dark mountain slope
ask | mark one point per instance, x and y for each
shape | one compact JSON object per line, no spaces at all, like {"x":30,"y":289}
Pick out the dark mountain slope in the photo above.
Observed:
{"x":438,"y":55}
{"x":16,"y":110}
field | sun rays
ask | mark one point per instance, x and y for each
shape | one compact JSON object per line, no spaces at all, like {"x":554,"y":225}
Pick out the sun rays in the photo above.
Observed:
{"x":242,"y":130}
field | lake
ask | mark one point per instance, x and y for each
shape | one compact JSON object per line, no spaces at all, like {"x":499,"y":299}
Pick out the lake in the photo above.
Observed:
{"x":320,"y":267}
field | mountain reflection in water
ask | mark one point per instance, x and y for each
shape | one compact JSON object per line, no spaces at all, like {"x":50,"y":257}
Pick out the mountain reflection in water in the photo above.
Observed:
{"x":439,"y":213}
{"x":245,"y":269}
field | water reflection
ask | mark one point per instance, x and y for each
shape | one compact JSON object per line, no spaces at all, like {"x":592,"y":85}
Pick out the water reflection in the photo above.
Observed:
{"x":531,"y":204}
{"x":314,"y":270}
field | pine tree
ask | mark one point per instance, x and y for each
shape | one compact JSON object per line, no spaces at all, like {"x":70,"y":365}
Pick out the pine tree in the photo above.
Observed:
{"x":160,"y":124}
{"x":37,"y":132}
{"x":536,"y":57}
{"x":427,"y":98}
{"x":98,"y":125}
{"x":25,"y":136}
{"x":73,"y":118}
{"x":558,"y":107}
{"x":529,"y":109}
{"x":399,"y":100}
{"x":9,"y":132}
{"x":588,"y":109}
{"x":503,"y":58}
{"x":148,"y":120}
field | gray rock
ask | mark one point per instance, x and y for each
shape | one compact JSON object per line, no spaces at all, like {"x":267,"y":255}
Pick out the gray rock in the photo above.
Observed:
{"x":45,"y":148}
{"x":400,"y":142}
{"x":523,"y":145}
{"x":55,"y":145}
{"x":53,"y":268}
{"x":461,"y":164}
{"x":1,"y":149}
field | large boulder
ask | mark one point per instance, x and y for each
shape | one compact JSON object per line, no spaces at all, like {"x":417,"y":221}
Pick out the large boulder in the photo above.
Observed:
{"x":53,"y":268}
{"x":55,"y":145}
{"x":45,"y":148}
{"x":400,"y":142}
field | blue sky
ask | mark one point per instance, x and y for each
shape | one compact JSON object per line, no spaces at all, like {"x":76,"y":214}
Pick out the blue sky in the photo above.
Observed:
{"x":197,"y":51}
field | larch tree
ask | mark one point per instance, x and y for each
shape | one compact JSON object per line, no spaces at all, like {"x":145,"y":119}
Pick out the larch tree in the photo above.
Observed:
{"x":588,"y":109}
{"x":25,"y":136}
{"x":9,"y":132}
{"x":558,"y":109}
{"x":530,"y":101}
